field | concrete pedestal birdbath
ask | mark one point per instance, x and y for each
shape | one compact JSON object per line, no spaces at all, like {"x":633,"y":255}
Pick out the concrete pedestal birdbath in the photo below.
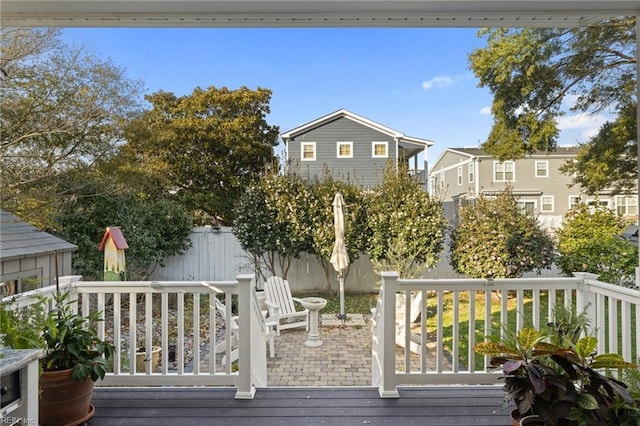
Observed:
{"x":313,"y":304}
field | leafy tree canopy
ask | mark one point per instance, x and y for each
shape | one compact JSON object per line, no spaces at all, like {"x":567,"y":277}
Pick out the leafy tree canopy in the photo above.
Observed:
{"x":154,"y":228}
{"x":61,"y":109}
{"x":495,"y":238}
{"x":205,"y":148}
{"x":407,"y":225}
{"x":531,"y":72}
{"x":587,"y":243}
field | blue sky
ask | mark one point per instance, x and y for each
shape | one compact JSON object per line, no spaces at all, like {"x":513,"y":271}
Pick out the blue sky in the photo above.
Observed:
{"x":416,"y":81}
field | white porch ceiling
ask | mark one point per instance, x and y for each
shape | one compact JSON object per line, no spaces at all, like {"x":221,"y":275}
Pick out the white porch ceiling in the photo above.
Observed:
{"x":311,"y":13}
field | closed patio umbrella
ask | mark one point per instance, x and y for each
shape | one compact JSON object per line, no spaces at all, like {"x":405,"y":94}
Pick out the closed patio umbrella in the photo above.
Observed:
{"x":339,"y":256}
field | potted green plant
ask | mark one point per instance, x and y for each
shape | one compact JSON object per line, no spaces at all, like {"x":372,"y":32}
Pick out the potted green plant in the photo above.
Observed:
{"x":556,"y":376}
{"x":74,"y":357}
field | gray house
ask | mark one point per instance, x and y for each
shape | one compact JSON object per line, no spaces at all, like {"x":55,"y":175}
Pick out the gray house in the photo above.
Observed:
{"x":352,"y":147}
{"x":536,"y":181}
{"x":28,"y":256}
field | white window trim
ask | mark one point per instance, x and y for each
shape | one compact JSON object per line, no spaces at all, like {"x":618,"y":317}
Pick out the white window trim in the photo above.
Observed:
{"x":339,"y":144}
{"x":546,"y":169}
{"x":471,"y":172}
{"x":442,"y":180}
{"x":460,"y":176}
{"x":521,"y":204}
{"x":373,"y":149}
{"x":577,"y":199}
{"x":626,"y":205}
{"x":504,"y":171}
{"x":302,"y":145}
{"x":542,"y":203}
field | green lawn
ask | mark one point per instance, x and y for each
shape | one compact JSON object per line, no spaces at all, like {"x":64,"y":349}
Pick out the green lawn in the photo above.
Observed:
{"x":353,"y":303}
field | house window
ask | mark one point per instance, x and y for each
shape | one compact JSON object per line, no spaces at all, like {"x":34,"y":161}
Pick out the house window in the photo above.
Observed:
{"x":627,"y":205}
{"x":380,"y":150}
{"x":542,"y":168}
{"x":546,"y":203}
{"x":504,"y":172}
{"x":460,"y":175}
{"x":527,"y":206}
{"x":471,"y":172}
{"x":574,"y":200}
{"x":441,"y":180}
{"x":345,"y":150}
{"x":308,"y":151}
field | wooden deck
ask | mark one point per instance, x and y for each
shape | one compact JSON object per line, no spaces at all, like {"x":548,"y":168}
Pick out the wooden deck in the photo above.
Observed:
{"x":448,"y":405}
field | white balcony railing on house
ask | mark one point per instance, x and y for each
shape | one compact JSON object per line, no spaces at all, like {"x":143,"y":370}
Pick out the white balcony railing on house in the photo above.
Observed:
{"x":614,"y":312}
{"x":146,"y":314}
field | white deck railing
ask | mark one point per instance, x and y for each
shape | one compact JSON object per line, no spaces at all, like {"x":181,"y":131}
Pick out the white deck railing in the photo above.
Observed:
{"x":614,"y":313}
{"x":147,"y":314}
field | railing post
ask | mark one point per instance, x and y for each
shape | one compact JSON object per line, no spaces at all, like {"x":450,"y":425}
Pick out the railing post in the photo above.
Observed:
{"x":387,"y":387}
{"x":246,"y":390}
{"x":586,"y":299}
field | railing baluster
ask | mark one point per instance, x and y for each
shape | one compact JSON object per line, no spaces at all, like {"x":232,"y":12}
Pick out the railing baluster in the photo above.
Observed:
{"x":487,"y":322}
{"x":613,"y":325}
{"x":626,"y":325}
{"x":100,"y":309}
{"x":551,"y":305}
{"x":504,"y":312}
{"x":164,"y":315}
{"x":423,"y":332}
{"x":196,"y":333}
{"x":213,"y":326}
{"x":536,"y":308}
{"x":180,"y":334}
{"x":133,"y":344}
{"x":456,"y":332}
{"x":148,"y":340}
{"x":440,"y":334}
{"x":600,"y":323}
{"x":472,"y":331}
{"x":520,"y":309}
{"x":117,"y":329}
{"x":407,"y":331}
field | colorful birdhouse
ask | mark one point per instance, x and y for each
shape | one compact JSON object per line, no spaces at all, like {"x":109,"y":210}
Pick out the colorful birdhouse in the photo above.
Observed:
{"x":114,"y":245}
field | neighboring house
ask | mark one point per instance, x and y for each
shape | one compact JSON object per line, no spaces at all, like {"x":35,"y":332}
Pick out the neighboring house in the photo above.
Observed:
{"x":536,"y":181}
{"x":28,"y":256}
{"x":352,"y":147}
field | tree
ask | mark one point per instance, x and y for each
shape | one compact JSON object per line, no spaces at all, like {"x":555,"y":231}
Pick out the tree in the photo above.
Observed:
{"x":609,"y":159}
{"x":532,"y":71}
{"x":205,"y":148}
{"x":154,"y":228}
{"x":407,"y":225}
{"x":587,"y":243}
{"x":272,"y":221}
{"x":494,"y":238}
{"x":61,"y":110}
{"x":357,"y":232}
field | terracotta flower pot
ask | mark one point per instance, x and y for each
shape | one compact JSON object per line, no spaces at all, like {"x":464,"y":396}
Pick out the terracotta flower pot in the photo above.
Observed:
{"x":64,"y":401}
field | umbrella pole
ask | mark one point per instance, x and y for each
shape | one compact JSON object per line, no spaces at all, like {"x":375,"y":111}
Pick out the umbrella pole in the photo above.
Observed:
{"x":342,"y":316}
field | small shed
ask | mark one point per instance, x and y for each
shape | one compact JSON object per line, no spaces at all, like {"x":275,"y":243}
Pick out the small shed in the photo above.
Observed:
{"x":114,"y":244}
{"x":28,"y":256}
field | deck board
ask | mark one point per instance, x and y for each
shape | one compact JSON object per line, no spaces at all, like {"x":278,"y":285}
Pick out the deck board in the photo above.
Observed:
{"x":450,"y":405}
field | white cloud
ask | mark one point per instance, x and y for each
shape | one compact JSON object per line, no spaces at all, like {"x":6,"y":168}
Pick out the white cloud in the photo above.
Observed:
{"x":586,"y":124}
{"x":437,"y":82}
{"x":485,"y":110}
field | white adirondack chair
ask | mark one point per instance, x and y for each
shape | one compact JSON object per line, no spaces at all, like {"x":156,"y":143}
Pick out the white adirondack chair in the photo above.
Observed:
{"x":281,"y":305}
{"x":222,"y":345}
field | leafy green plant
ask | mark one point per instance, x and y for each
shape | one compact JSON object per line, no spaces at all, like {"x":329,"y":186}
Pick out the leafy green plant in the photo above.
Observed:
{"x":587,"y":243}
{"x":549,"y":375}
{"x":494,"y":238}
{"x":69,"y":340}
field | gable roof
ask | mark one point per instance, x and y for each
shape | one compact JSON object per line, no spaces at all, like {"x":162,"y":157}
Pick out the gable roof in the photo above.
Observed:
{"x":343,"y":113}
{"x":115,"y":233}
{"x":18,"y":239}
{"x":475,"y":152}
